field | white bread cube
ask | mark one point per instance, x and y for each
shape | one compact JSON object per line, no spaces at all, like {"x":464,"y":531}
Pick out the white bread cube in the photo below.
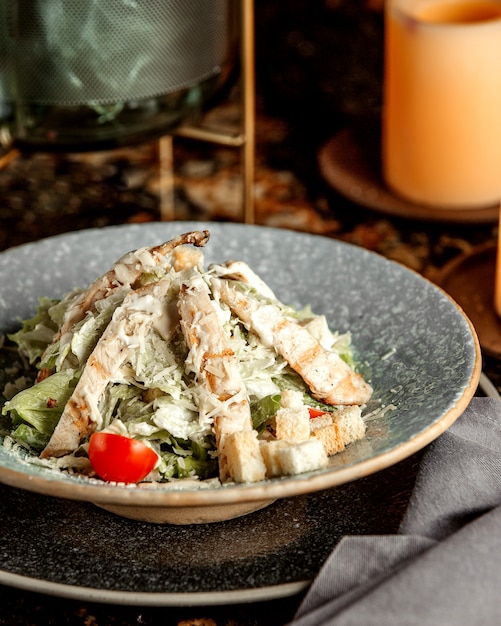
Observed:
{"x":292,"y":420}
{"x":350,"y":423}
{"x":241,"y":458}
{"x":271,"y":458}
{"x":319,"y":422}
{"x":331,"y":438}
{"x":305,"y":456}
{"x":292,"y":424}
{"x":290,"y":399}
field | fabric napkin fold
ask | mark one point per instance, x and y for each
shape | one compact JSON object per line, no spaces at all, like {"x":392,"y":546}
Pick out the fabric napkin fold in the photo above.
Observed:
{"x":444,"y":565}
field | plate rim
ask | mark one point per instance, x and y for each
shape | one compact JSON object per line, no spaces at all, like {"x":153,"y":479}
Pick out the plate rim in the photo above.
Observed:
{"x":152,"y":598}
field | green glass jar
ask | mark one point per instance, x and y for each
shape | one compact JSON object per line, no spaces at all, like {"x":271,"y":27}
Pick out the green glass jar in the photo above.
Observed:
{"x":78,"y":76}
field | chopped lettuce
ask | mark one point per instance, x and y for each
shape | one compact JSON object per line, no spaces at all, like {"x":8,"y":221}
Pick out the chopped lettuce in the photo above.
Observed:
{"x":174,"y":466}
{"x":37,"y":332}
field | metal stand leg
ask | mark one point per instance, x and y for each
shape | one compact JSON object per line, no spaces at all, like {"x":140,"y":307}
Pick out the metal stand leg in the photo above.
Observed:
{"x":166,"y":178}
{"x":243,"y":139}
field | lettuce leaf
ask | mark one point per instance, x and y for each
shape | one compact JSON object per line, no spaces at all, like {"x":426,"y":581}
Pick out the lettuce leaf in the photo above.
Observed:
{"x":41,"y":406}
{"x":37,"y":332}
{"x":263,"y":410}
{"x":30,"y":437}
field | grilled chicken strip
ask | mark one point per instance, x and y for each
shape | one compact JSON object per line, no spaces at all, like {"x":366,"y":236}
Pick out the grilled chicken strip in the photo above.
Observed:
{"x":141,"y":309}
{"x":330,"y":379}
{"x":214,"y":362}
{"x":239,"y":270}
{"x":124,"y":273}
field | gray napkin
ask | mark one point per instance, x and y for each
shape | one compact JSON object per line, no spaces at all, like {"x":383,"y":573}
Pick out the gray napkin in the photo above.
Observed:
{"x":444,"y":565}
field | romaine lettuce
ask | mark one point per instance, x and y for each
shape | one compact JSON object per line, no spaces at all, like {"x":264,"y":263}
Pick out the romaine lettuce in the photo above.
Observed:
{"x":41,"y":405}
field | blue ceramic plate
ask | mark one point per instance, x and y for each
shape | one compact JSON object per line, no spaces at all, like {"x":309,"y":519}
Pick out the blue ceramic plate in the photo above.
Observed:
{"x":417,"y":348}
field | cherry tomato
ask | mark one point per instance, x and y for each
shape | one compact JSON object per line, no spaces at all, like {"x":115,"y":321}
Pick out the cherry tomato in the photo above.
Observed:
{"x":120,"y":459}
{"x":316,"y":412}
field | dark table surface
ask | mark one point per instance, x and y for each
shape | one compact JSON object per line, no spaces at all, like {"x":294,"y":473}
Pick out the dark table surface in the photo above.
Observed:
{"x":318,"y":72}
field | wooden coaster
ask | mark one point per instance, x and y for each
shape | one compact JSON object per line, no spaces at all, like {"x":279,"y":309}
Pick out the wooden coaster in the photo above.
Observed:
{"x":469,"y":279}
{"x":352,"y":166}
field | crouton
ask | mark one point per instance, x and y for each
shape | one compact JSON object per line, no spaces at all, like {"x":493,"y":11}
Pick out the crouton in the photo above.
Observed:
{"x":350,"y":423}
{"x":271,"y":458}
{"x":305,"y":456}
{"x":293,"y":424}
{"x":242,"y":456}
{"x":290,"y":399}
{"x":319,"y":422}
{"x":292,"y":420}
{"x":331,"y":438}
